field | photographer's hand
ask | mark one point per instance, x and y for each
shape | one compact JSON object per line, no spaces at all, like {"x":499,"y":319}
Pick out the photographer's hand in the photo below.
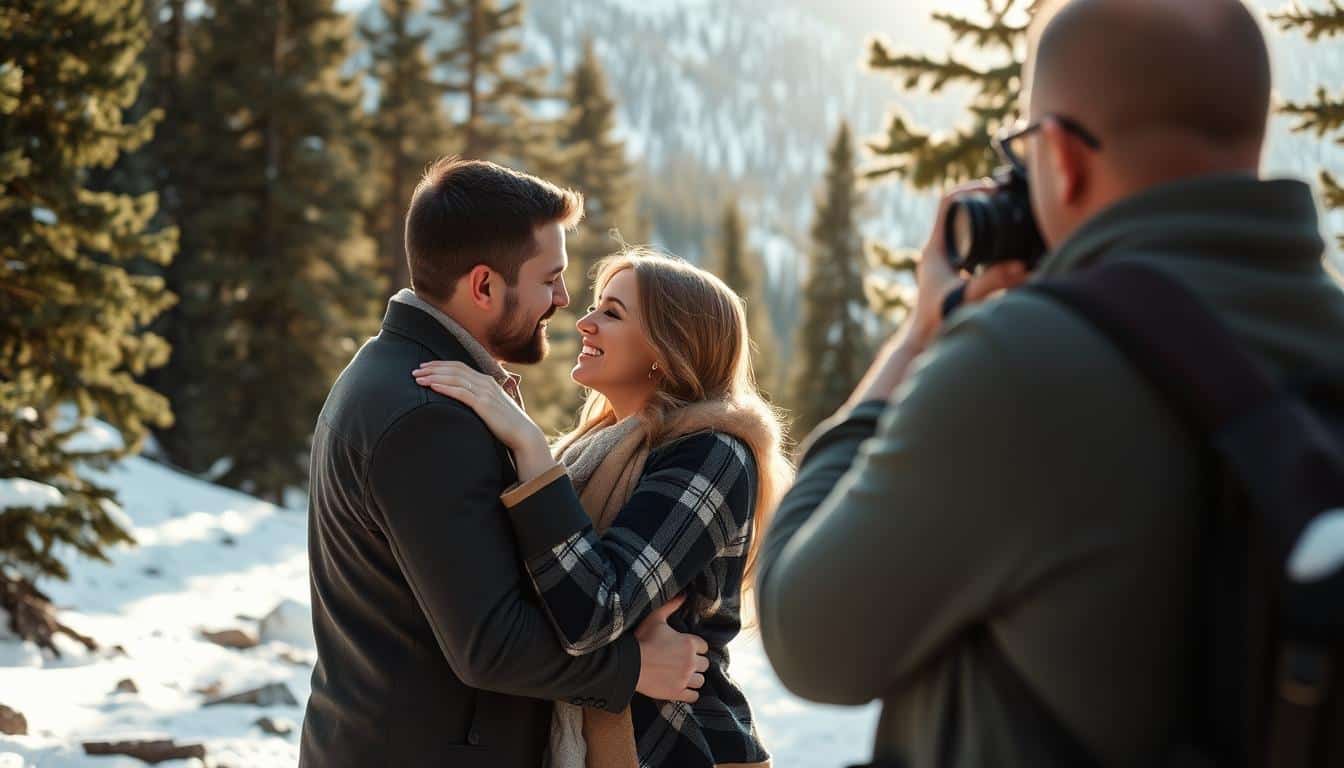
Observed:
{"x":936,"y":279}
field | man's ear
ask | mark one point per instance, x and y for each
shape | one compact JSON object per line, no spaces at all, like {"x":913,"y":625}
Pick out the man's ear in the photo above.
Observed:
{"x":1066,"y":161}
{"x":483,"y":285}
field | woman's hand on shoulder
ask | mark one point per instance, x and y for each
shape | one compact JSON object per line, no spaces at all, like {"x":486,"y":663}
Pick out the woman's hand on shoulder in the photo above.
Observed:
{"x":501,"y":413}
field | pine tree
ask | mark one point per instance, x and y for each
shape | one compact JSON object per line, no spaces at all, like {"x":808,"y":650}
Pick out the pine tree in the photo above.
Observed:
{"x":409,"y":127}
{"x":1323,"y":116}
{"x":833,"y":348}
{"x":733,"y":257}
{"x":277,"y":277}
{"x":927,"y":159}
{"x":72,"y":308}
{"x":741,"y":269}
{"x":482,"y":75}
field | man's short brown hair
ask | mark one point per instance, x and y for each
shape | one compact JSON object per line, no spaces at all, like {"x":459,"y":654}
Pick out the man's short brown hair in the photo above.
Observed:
{"x":469,"y":212}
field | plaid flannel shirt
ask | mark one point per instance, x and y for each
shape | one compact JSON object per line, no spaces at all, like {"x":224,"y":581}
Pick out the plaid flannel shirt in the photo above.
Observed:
{"x":685,"y":528}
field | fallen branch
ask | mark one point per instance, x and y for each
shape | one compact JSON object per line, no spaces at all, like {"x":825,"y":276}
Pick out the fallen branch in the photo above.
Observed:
{"x":149,"y":751}
{"x":32,"y":616}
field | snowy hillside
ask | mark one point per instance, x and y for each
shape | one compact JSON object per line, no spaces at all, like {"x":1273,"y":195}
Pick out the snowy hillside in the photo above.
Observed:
{"x":754,"y":89}
{"x":211,"y":559}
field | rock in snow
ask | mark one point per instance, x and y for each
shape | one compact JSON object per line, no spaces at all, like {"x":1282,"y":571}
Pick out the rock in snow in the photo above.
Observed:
{"x":275,"y":727}
{"x":273,"y":695}
{"x":290,"y":622}
{"x":127,"y":686}
{"x":12,"y":722}
{"x":231,"y":638}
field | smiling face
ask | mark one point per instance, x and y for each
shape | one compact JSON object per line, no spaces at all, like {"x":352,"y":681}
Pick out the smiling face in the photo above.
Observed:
{"x":617,"y":356}
{"x":519,"y":334}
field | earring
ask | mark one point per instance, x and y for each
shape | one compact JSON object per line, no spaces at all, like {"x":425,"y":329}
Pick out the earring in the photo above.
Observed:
{"x":652,"y":370}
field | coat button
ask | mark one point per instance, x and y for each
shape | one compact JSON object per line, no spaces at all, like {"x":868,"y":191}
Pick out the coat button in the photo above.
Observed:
{"x":473,"y":738}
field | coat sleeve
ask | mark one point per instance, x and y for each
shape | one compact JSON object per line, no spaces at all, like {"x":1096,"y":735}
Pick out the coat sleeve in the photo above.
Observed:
{"x":435,"y":479}
{"x":689,"y":514}
{"x":907,"y":524}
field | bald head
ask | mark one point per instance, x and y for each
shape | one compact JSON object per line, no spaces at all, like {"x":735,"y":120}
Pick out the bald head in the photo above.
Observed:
{"x":1148,"y":74}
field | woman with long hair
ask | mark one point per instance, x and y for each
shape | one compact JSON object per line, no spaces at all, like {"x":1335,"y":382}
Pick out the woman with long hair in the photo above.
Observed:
{"x":659,"y":495}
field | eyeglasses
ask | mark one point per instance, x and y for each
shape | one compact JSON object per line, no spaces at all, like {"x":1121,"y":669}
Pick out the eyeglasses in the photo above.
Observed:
{"x":1014,"y":149}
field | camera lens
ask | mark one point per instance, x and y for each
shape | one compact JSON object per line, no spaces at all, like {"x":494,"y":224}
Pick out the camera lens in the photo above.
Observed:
{"x":986,"y":228}
{"x":963,"y":235}
{"x":967,"y":221}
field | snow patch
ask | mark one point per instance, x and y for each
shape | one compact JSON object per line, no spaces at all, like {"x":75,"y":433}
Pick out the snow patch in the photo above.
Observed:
{"x":21,"y":492}
{"x":95,"y":437}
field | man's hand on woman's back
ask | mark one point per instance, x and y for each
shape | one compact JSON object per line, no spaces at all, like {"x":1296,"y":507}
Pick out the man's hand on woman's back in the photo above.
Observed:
{"x":671,"y":664}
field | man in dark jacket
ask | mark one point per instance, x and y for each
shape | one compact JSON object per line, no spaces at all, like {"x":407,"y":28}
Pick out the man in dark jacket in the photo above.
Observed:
{"x":1021,"y":495}
{"x":432,"y":647}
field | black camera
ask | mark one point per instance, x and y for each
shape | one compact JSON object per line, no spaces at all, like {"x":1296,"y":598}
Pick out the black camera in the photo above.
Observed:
{"x":992,"y":227}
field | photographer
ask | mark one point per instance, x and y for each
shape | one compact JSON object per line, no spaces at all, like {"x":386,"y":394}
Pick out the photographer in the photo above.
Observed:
{"x":996,"y":535}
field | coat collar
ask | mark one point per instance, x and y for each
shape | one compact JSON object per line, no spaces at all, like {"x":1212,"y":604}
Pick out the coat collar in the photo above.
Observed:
{"x":416,"y":325}
{"x":1272,"y":224}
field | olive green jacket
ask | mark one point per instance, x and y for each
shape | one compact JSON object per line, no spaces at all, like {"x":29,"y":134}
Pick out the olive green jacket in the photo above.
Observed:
{"x":1027,"y":488}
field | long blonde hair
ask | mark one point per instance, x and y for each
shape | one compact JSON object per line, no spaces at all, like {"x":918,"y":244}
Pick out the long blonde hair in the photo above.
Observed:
{"x":697,"y":326}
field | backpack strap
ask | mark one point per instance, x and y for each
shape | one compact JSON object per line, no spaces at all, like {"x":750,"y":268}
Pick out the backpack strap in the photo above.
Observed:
{"x":1259,"y":435}
{"x":1182,"y":350}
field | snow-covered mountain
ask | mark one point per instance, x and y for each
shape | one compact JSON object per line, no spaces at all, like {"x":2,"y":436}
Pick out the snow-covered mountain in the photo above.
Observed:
{"x":747,"y":92}
{"x":740,"y":98}
{"x":754,"y":89}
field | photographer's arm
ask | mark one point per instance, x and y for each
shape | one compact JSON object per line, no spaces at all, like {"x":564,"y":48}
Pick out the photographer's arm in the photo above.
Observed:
{"x":887,"y":547}
{"x":855,"y":568}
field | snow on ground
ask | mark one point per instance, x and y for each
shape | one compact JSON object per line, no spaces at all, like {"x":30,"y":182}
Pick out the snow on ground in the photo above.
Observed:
{"x":209,"y":558}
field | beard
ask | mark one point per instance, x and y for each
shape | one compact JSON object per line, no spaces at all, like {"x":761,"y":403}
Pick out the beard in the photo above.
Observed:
{"x":516,"y":339}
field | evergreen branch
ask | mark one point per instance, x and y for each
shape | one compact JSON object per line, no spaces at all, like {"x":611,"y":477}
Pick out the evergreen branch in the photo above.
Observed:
{"x":11,"y":86}
{"x":914,"y":69}
{"x":1323,"y":116}
{"x":927,"y":160}
{"x":1332,"y":191}
{"x":889,"y":287}
{"x":997,"y":32}
{"x":32,"y":296}
{"x":1314,"y":23}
